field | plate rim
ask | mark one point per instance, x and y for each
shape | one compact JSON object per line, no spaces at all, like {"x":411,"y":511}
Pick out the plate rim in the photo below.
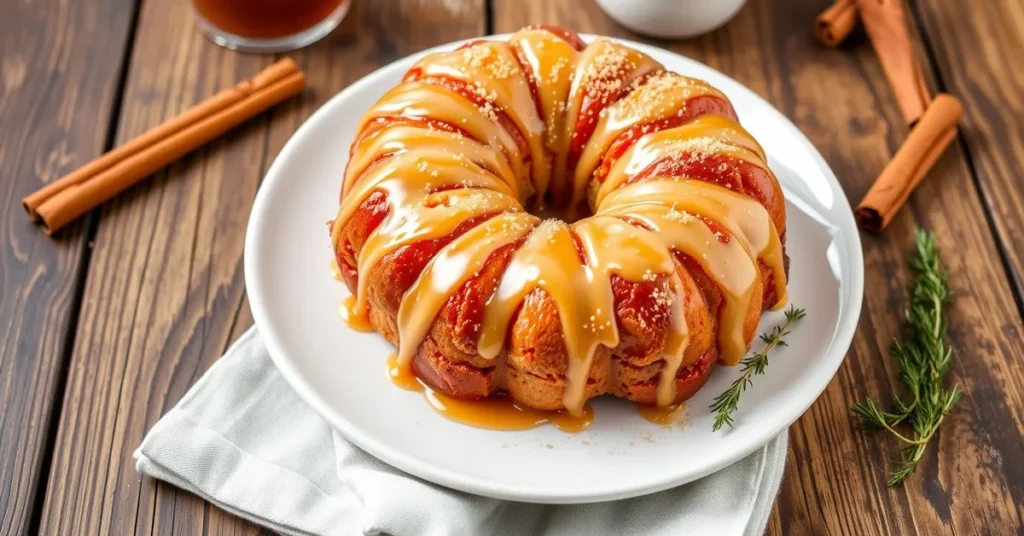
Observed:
{"x":835,"y":354}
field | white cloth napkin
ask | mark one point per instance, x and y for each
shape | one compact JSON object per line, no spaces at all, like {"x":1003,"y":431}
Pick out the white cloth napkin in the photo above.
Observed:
{"x":242,"y":439}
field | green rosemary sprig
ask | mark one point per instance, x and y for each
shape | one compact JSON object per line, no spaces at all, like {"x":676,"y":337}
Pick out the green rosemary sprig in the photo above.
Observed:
{"x":726,"y":403}
{"x":923,"y":359}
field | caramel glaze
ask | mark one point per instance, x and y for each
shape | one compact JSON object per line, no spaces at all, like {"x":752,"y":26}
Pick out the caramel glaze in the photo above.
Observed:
{"x":444,"y":164}
{"x":348,"y":315}
{"x":663,"y":415}
{"x":493,"y":413}
{"x":346,"y":309}
{"x":336,"y":271}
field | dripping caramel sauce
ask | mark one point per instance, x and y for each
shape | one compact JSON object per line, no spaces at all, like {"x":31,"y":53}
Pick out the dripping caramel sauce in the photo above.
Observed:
{"x":494,"y":413}
{"x":662,"y":415}
{"x":349,"y":315}
{"x":347,"y":310}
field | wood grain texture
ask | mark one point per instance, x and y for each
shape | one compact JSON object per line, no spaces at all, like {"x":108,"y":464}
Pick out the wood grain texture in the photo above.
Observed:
{"x":977,"y":47}
{"x":165,"y":292}
{"x":59,"y":77}
{"x":970,"y":481}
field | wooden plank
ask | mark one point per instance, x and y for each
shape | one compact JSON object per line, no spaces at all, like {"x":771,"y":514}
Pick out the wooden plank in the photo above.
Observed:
{"x":835,"y":483}
{"x":165,"y":292}
{"x":974,"y":45}
{"x":991,"y":133}
{"x":59,"y":76}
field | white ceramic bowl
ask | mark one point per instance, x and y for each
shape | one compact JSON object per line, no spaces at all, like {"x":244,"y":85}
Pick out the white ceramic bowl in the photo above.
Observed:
{"x":671,"y":19}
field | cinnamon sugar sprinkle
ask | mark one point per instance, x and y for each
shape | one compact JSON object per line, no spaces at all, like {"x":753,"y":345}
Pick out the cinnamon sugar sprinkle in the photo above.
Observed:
{"x":605,"y":76}
{"x":483,"y":57}
{"x":661,"y":93}
{"x":695,"y":150}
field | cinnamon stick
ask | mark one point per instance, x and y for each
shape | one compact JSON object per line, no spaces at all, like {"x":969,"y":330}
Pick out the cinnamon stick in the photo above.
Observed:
{"x":67,"y":198}
{"x":908,"y":167}
{"x":834,"y":24}
{"x":887,"y":29}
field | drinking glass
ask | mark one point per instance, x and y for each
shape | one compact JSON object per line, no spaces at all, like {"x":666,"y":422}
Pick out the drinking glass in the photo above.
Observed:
{"x":268,"y":25}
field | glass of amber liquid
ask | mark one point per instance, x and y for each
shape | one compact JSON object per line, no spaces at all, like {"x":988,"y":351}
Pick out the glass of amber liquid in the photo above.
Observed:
{"x":268,"y":25}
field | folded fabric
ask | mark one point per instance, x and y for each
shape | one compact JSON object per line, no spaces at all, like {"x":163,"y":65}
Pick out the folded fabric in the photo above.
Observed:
{"x":242,"y":439}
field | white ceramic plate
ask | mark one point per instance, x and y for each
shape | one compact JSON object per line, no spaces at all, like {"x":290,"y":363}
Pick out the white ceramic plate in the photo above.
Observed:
{"x":341,"y":373}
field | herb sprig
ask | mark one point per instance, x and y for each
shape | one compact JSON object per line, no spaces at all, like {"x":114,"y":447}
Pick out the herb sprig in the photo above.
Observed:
{"x":726,"y":402}
{"x":923,"y":359}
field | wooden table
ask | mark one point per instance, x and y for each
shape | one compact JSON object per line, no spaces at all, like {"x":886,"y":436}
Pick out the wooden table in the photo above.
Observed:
{"x":105,"y":327}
